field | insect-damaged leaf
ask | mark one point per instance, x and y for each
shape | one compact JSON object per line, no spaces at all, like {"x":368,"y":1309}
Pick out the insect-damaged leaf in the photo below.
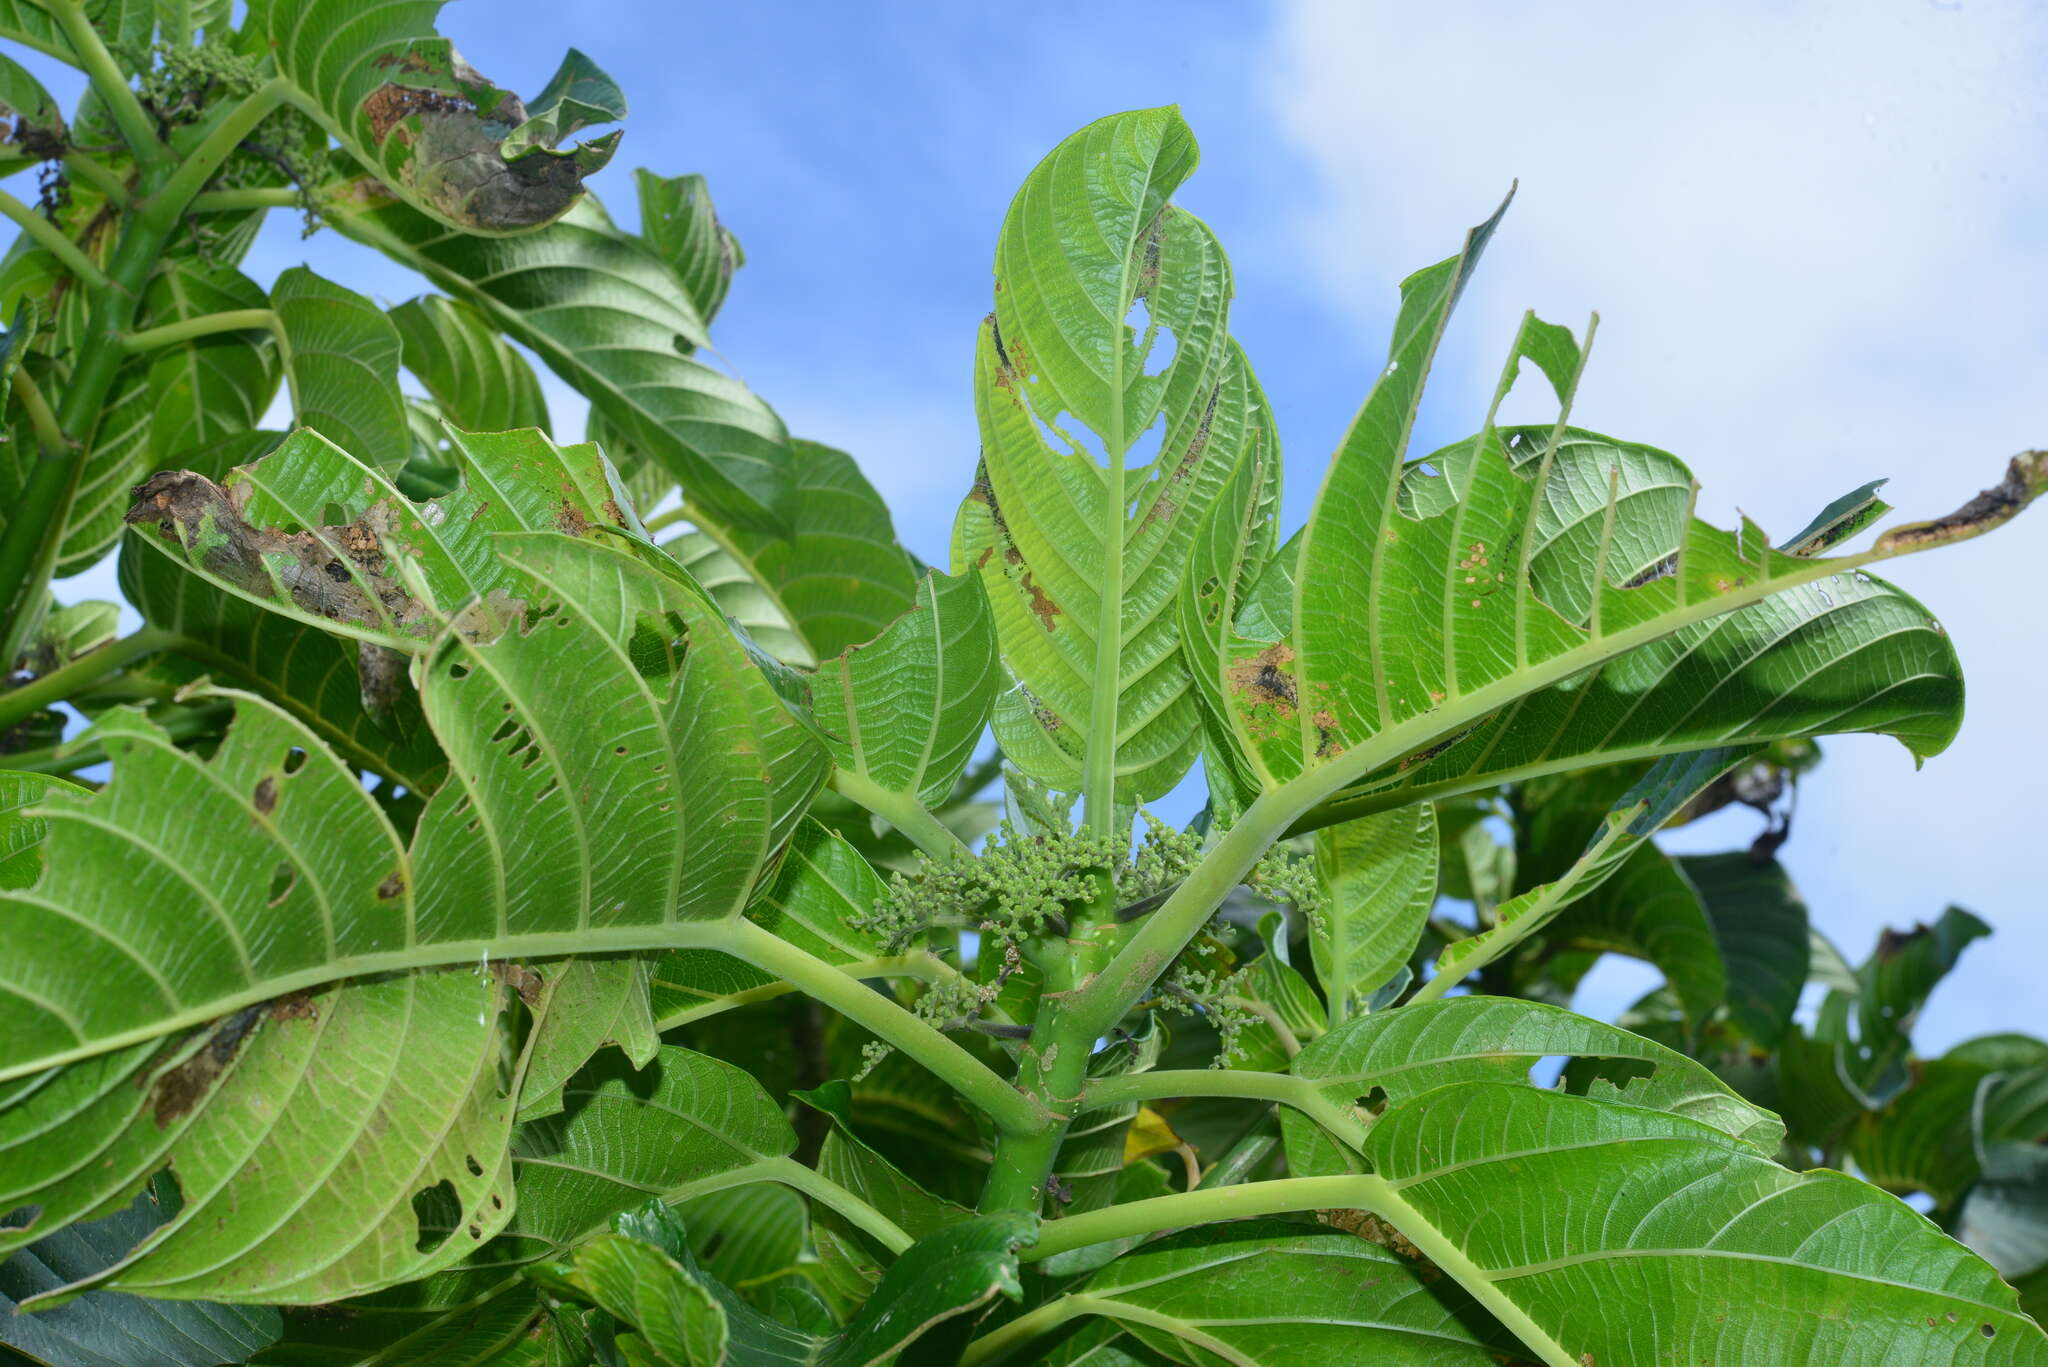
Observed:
{"x":263,"y":1119}
{"x":312,"y":533}
{"x":574,"y":820}
{"x":402,"y":102}
{"x":1391,"y":1056}
{"x":1082,"y":559}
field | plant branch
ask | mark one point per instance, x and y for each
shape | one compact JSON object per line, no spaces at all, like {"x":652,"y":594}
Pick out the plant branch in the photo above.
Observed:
{"x":1033,"y":1324}
{"x":82,"y":167}
{"x":189,"y":329}
{"x":32,"y":402}
{"x":75,"y":677}
{"x":1352,"y":1191}
{"x":902,"y":811}
{"x":107,"y":79}
{"x":962,"y":1071}
{"x":51,"y":239}
{"x":1284,"y":1088}
{"x":249,"y":197}
{"x":919,"y":964}
{"x":179,"y":723}
{"x":824,"y":1190}
{"x":234,"y":123}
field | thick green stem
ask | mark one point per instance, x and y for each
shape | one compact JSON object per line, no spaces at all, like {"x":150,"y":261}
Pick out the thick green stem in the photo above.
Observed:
{"x":32,"y":402}
{"x":51,"y":239}
{"x":1298,"y":1092}
{"x":902,"y":811}
{"x":81,"y":167}
{"x":921,"y":965}
{"x":249,"y":197}
{"x":962,"y":1071}
{"x":37,"y":521}
{"x":108,"y":81}
{"x":1032,"y":1324}
{"x":80,"y":674}
{"x":216,"y":145}
{"x":179,"y":723}
{"x":1206,"y":1206}
{"x":857,"y":1212}
{"x":190,"y":329}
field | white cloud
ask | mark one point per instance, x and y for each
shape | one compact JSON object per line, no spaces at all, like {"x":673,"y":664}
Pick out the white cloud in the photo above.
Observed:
{"x":1813,"y":235}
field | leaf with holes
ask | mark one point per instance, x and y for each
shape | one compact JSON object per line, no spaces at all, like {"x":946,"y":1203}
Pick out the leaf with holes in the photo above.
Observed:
{"x":604,"y":818}
{"x":605,"y":313}
{"x":1082,"y":559}
{"x":1391,"y":1056}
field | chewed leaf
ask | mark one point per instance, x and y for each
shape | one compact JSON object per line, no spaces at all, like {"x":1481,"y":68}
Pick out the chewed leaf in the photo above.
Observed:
{"x":314,"y":534}
{"x":1388,"y":1057}
{"x":586,"y":819}
{"x":1082,"y":558}
{"x":403,"y":102}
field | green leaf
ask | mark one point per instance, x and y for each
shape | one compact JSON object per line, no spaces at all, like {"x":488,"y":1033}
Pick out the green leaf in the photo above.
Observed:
{"x":341,"y":355}
{"x":677,"y":220}
{"x":838,"y":581}
{"x":1390,"y":1057}
{"x":605,"y":313}
{"x":1553,"y":1210}
{"x":645,"y":799}
{"x":433,"y":130}
{"x":1082,"y":561}
{"x":1263,"y":1293}
{"x":272,"y":1212}
{"x":210,"y":389}
{"x":21,"y":831}
{"x":822,"y":889}
{"x":1760,"y":924}
{"x":905,"y":711}
{"x":681,"y":1323}
{"x":1379,"y":882}
{"x":107,"y":1328}
{"x":1649,"y":910}
{"x":479,"y":383}
{"x":1428,"y":646}
{"x":590,"y":1002}
{"x":1893,"y":984}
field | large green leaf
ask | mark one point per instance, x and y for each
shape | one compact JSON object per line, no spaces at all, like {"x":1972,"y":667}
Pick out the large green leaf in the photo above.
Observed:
{"x":1761,"y":927}
{"x":1555,"y":1210}
{"x":21,"y":831}
{"x":479,"y":383}
{"x":341,"y":356}
{"x":835,"y":582}
{"x":679,"y":222}
{"x":904,"y":712}
{"x":1440,"y":626}
{"x":1082,"y":559}
{"x":263,"y":1121}
{"x":210,"y":389}
{"x":607,"y":816}
{"x":403,"y":103}
{"x":1379,"y":881}
{"x":1393,"y":1056}
{"x":605,"y":313}
{"x":107,"y":1328}
{"x":1649,"y":910}
{"x":1261,"y":1293}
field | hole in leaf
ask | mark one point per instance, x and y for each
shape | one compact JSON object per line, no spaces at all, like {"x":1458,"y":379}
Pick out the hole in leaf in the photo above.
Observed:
{"x":544,"y":794}
{"x":505,"y":728}
{"x":1374,"y":1102}
{"x":438,"y":1212}
{"x":334,"y":515}
{"x":294,"y":760}
{"x":281,"y":880}
{"x":458,"y":671}
{"x":476,"y":1169}
{"x":21,"y":1217}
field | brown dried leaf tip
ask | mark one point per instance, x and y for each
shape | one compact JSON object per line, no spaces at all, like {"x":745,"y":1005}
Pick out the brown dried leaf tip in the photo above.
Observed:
{"x":2026,"y":477}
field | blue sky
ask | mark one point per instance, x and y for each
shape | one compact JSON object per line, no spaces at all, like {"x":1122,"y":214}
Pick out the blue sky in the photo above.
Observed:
{"x":1813,"y":233}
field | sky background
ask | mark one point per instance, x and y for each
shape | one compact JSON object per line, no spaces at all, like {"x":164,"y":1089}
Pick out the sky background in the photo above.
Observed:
{"x":1814,"y":234}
